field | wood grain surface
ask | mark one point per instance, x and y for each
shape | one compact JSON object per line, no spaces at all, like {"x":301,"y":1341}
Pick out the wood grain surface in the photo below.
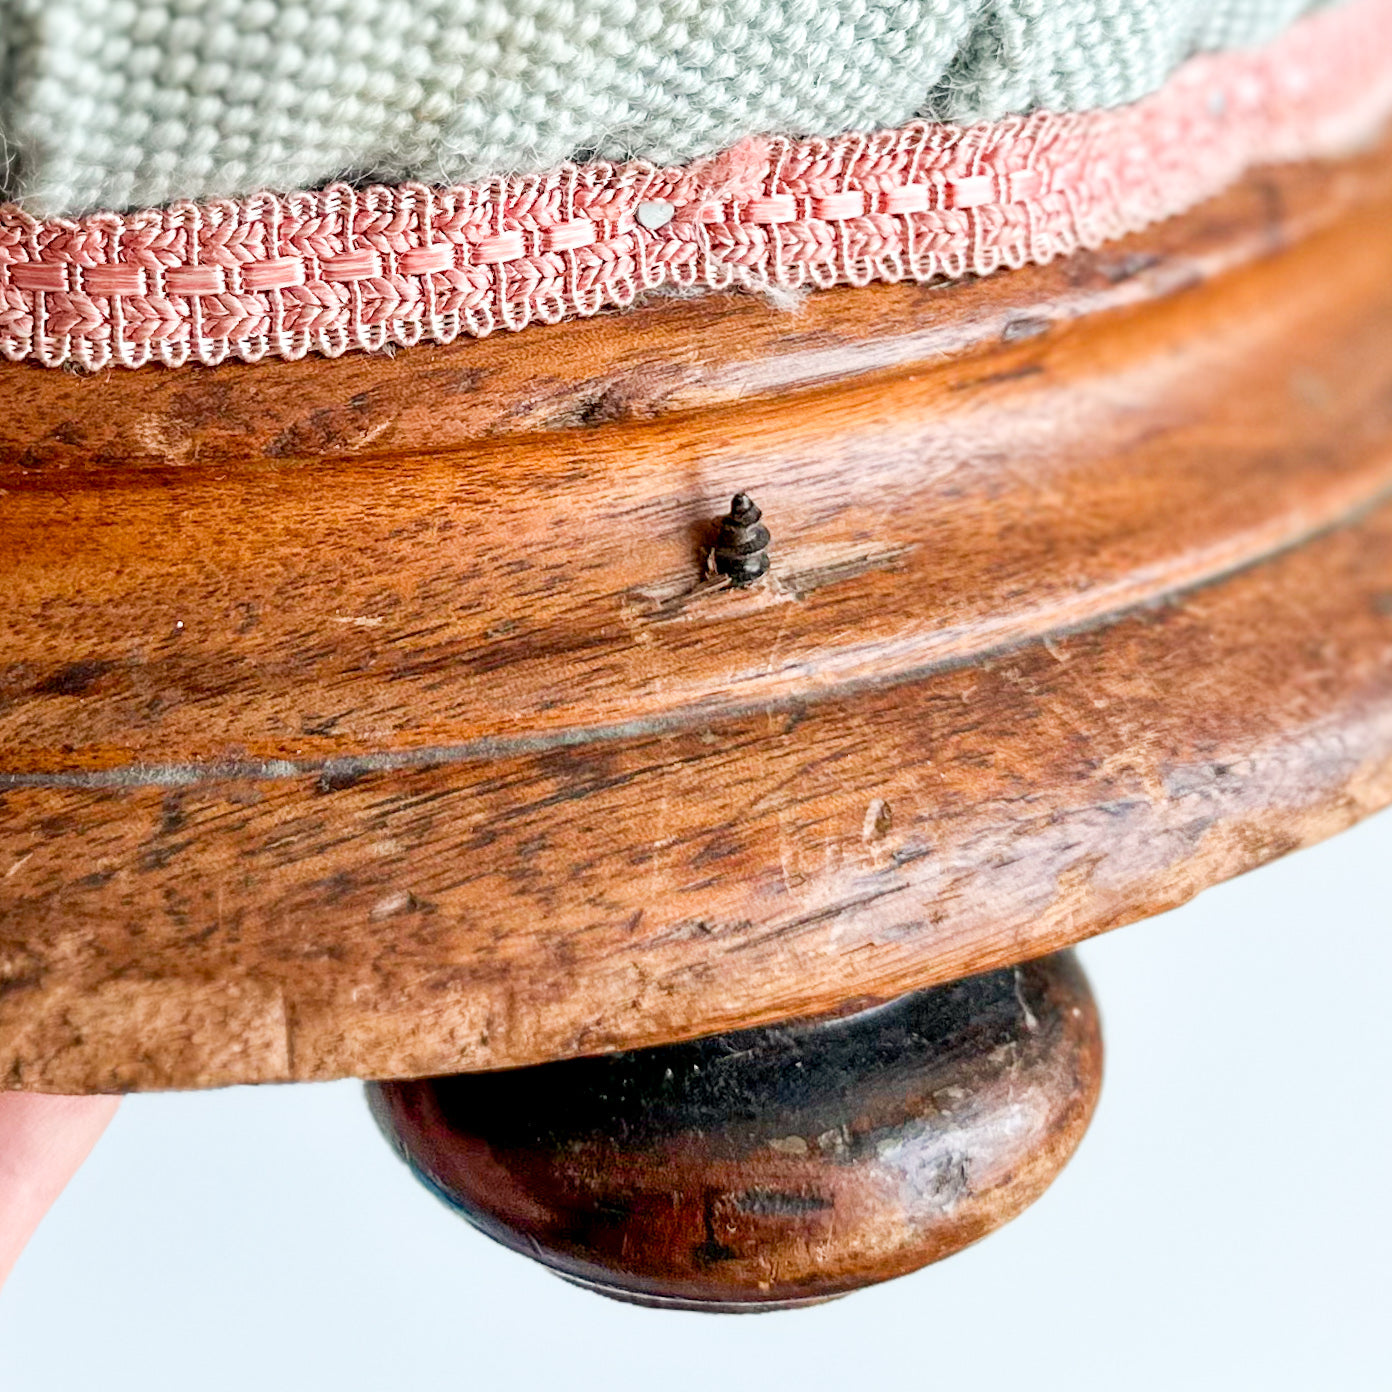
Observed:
{"x":773,"y":1167}
{"x":379,"y":716}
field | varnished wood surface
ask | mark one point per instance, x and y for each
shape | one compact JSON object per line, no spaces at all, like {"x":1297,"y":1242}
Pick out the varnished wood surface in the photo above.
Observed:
{"x":481,"y":914}
{"x":354,"y":758}
{"x":772,"y":1167}
{"x":541,"y":587}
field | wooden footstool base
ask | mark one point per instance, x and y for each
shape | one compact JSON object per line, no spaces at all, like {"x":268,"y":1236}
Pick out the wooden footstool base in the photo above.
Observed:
{"x":399,"y":717}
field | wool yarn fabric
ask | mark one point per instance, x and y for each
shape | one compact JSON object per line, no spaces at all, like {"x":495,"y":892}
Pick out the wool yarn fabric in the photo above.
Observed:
{"x":124,"y":103}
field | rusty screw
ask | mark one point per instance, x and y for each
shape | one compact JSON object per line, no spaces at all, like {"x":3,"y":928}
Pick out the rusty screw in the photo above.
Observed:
{"x":741,"y":548}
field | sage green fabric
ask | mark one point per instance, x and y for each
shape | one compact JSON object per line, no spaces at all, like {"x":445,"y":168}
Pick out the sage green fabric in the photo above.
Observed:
{"x":123,"y":103}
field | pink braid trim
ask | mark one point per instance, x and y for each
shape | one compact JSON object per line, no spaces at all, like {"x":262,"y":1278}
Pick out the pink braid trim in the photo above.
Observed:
{"x":346,"y":268}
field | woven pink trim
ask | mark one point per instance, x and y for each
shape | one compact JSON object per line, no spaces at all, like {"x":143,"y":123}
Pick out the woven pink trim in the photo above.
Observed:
{"x":347,"y":268}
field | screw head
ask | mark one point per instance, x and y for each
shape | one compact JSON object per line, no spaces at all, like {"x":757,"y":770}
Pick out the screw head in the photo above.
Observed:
{"x":741,"y":548}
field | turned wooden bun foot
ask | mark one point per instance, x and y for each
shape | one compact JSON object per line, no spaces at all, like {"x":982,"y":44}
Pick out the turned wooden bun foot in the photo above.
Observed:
{"x":771,"y":1167}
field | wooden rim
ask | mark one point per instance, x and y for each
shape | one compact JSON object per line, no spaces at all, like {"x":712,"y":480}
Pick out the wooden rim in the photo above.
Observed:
{"x":1078,"y":604}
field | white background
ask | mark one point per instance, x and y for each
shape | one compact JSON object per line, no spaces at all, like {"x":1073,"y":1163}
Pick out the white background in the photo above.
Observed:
{"x":1226,"y":1223}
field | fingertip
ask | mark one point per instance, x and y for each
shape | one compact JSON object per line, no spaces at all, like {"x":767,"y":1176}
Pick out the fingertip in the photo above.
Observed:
{"x":44,"y":1138}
